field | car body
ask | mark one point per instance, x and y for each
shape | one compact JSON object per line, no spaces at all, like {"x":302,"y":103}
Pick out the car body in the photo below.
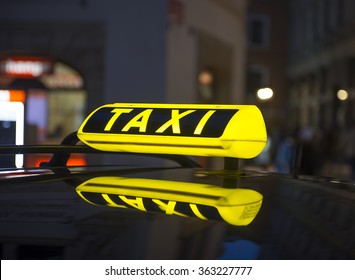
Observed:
{"x":178,"y":210}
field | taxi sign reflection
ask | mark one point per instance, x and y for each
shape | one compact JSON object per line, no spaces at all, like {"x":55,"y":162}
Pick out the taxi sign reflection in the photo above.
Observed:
{"x":185,"y":129}
{"x":237,"y":206}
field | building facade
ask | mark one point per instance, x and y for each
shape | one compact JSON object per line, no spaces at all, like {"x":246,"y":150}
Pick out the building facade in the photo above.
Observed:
{"x":321,"y":75}
{"x":321,"y":69}
{"x":267,"y":35}
{"x":94,"y":52}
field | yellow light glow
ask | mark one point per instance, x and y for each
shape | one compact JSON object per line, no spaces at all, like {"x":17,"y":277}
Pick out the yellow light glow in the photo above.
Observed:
{"x":205,"y":78}
{"x":342,"y":94}
{"x":238,"y":207}
{"x":265,"y":93}
{"x":185,"y":129}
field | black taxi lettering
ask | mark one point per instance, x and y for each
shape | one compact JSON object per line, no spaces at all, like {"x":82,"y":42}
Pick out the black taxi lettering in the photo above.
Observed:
{"x":168,"y":207}
{"x":174,"y":122}
{"x":140,"y":120}
{"x":207,"y":122}
{"x":117,"y":112}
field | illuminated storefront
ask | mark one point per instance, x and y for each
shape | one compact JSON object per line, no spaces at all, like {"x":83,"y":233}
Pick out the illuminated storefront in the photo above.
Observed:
{"x":53,"y":97}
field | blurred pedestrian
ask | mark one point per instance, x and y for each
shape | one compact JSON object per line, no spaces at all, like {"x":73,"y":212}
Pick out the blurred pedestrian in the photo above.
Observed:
{"x":349,"y":147}
{"x":310,"y":153}
{"x":284,"y":155}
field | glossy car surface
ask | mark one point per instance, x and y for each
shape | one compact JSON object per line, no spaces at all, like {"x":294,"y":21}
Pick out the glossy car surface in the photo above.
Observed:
{"x":155,"y":212}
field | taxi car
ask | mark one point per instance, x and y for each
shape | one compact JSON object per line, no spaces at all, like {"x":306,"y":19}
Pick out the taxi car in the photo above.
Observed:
{"x":174,"y":210}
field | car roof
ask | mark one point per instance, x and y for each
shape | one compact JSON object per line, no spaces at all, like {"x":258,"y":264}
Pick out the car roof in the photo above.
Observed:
{"x":89,"y":214}
{"x":176,"y":208}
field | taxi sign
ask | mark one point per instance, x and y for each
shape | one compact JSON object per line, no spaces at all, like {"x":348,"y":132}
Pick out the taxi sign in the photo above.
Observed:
{"x":186,"y":129}
{"x":236,"y":206}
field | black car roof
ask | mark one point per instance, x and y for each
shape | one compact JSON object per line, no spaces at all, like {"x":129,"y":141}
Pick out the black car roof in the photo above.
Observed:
{"x":175,"y":211}
{"x":298,"y":219}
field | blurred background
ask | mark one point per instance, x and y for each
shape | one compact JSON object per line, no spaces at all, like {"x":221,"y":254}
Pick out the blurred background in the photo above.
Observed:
{"x":294,"y":59}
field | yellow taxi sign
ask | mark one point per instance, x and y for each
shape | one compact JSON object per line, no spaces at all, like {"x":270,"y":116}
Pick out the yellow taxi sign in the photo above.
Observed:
{"x":237,"y":206}
{"x":185,"y":129}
